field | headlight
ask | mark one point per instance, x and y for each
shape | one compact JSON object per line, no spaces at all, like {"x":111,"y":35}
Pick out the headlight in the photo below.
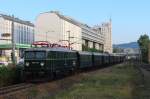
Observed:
{"x":74,"y":63}
{"x":42,"y":64}
{"x":27,"y":64}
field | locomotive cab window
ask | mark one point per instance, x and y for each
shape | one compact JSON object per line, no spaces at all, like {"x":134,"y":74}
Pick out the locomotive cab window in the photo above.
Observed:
{"x":40,"y":55}
{"x":29,"y":55}
{"x":35,"y":55}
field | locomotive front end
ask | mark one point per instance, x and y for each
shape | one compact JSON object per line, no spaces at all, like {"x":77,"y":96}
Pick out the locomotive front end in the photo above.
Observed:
{"x":35,"y":64}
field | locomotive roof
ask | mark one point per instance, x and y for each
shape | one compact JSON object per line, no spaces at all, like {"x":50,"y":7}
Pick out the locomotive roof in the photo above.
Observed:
{"x":97,"y":53}
{"x":114,"y":54}
{"x":50,"y":49}
{"x":85,"y":52}
{"x":105,"y":54}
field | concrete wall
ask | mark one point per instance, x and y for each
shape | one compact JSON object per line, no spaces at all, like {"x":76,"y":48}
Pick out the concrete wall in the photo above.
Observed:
{"x":48,"y":27}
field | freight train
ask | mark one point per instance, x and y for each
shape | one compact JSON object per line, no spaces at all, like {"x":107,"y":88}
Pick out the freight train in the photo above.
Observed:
{"x":48,"y":62}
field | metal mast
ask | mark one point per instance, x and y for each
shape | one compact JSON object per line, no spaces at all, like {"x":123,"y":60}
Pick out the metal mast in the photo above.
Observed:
{"x":13,"y":42}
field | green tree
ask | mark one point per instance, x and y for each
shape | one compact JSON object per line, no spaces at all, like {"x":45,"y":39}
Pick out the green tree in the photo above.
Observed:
{"x":143,"y":44}
{"x":85,"y":48}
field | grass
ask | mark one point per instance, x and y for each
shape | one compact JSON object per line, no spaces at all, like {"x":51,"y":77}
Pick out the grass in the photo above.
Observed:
{"x":116,"y":84}
{"x":123,"y":81}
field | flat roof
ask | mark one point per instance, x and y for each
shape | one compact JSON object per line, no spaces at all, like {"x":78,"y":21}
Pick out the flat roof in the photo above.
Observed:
{"x":9,"y":46}
{"x":50,"y":49}
{"x":8,"y":17}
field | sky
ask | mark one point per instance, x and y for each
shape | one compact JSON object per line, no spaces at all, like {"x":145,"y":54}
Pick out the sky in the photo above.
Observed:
{"x":130,"y":18}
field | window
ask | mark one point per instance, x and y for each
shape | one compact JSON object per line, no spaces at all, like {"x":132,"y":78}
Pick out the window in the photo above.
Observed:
{"x":40,"y":55}
{"x":35,"y":55}
{"x":29,"y":55}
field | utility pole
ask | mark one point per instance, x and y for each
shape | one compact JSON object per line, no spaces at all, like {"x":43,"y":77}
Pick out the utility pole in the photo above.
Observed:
{"x":46,"y":36}
{"x":13,"y":42}
{"x":69,"y":39}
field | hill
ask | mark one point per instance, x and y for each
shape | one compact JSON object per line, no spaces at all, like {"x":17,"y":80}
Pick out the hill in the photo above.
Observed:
{"x":126,"y":45}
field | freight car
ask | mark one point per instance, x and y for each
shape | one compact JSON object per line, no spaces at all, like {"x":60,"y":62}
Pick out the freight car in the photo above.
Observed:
{"x":48,"y":62}
{"x":84,"y":60}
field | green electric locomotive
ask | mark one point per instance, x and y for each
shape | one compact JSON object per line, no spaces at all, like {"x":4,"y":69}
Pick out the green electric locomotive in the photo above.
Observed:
{"x":48,"y":62}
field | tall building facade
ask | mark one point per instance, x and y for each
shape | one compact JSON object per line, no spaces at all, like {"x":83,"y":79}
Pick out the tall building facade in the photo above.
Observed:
{"x":106,"y":30}
{"x":23,"y":30}
{"x":57,"y":28}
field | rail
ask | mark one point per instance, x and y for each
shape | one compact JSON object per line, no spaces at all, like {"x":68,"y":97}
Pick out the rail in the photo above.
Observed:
{"x":13,"y":88}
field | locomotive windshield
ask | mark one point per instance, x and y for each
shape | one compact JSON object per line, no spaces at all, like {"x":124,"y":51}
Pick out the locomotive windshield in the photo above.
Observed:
{"x":35,"y":55}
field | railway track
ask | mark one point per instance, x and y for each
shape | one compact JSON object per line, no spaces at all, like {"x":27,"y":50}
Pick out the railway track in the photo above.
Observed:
{"x":13,"y":88}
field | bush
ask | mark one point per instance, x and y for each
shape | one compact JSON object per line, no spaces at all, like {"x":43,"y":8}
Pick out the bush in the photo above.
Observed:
{"x":85,"y":48}
{"x":9,"y":75}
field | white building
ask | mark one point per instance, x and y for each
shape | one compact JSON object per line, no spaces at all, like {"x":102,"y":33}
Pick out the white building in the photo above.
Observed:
{"x":57,"y":28}
{"x":106,"y":30}
{"x":23,"y":30}
{"x":23,"y":37}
